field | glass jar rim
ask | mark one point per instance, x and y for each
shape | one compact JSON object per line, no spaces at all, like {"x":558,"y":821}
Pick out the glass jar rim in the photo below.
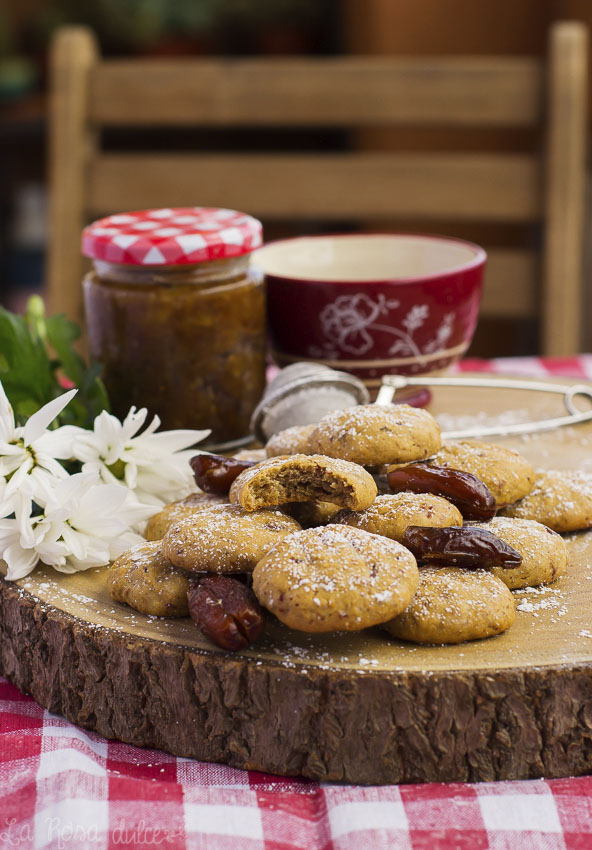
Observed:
{"x":211,"y":271}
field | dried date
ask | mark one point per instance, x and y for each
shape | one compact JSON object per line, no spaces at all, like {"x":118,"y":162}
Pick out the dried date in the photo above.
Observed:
{"x":471,"y":496}
{"x":226,"y":611}
{"x":463,"y":546}
{"x":215,"y":473}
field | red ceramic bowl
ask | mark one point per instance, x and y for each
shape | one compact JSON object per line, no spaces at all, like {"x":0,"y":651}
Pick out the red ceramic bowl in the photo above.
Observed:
{"x":372,"y":304}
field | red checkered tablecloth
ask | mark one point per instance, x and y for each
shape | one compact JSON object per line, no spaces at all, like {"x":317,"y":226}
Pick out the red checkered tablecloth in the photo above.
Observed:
{"x":62,"y":787}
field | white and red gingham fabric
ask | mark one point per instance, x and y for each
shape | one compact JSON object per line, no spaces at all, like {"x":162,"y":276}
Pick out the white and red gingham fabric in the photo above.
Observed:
{"x":171,"y":236}
{"x":62,"y":787}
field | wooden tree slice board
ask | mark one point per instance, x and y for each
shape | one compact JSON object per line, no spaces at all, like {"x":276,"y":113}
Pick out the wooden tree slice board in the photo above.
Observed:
{"x":350,"y":707}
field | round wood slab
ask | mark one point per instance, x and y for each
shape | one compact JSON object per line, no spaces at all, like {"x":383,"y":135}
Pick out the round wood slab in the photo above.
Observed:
{"x":350,"y":707}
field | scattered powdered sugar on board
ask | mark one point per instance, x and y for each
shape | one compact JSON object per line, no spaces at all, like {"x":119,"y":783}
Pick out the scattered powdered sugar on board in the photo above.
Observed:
{"x":545,"y":599}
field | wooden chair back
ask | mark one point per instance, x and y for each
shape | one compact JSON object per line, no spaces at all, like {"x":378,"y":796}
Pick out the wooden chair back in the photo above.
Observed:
{"x":542,"y":186}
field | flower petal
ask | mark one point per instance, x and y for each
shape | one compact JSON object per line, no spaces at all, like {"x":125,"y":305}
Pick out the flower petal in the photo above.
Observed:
{"x":38,"y":422}
{"x":53,"y":554}
{"x":74,"y":541}
{"x":7,"y":424}
{"x":25,"y":523}
{"x":174,"y":441}
{"x":98,"y":501}
{"x":20,"y":561}
{"x":134,"y":421}
{"x":121,"y":544}
{"x":9,"y":532}
{"x":72,"y":488}
{"x":60,"y":443}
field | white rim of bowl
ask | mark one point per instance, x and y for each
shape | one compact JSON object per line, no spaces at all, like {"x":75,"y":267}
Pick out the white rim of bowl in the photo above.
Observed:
{"x":479,"y":258}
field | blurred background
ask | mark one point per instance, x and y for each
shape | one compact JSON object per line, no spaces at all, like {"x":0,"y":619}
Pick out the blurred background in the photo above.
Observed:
{"x":165,"y":28}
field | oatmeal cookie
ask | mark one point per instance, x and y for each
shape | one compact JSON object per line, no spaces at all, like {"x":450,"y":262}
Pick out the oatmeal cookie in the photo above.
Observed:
{"x":145,"y":579}
{"x":372,"y":434}
{"x":253,"y":455}
{"x":505,"y":472}
{"x":544,"y":552}
{"x":452,"y":605}
{"x":303,"y":478}
{"x":335,"y":578}
{"x":290,"y":441}
{"x":159,"y":524}
{"x":389,"y":515}
{"x":225,"y":538}
{"x":560,"y":499}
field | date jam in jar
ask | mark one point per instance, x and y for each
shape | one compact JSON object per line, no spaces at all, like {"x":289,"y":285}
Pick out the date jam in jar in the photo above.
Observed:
{"x":176,"y":318}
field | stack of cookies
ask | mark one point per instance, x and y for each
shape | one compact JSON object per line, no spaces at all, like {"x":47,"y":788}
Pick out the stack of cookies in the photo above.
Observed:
{"x":364,"y":519}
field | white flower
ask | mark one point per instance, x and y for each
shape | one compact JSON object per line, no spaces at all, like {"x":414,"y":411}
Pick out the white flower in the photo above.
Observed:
{"x":155,"y":467}
{"x":25,"y":453}
{"x":73,"y":522}
{"x":84,"y":523}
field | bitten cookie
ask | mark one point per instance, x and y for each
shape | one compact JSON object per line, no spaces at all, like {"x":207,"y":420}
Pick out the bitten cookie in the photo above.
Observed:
{"x":505,"y":472}
{"x":303,"y":478}
{"x":390,"y":515}
{"x":335,"y":578}
{"x":372,"y":434}
{"x":311,"y":514}
{"x":544,"y":552}
{"x":146,"y":580}
{"x":225,"y":539}
{"x":560,"y":499}
{"x":290,"y":441}
{"x":452,"y":605}
{"x":159,"y":524}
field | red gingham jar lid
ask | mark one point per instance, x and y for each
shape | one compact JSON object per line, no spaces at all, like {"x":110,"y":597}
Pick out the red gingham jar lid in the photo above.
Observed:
{"x":171,"y":236}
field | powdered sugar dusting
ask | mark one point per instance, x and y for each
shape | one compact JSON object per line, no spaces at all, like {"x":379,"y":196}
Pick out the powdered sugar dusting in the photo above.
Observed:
{"x":534,"y":600}
{"x":225,"y":538}
{"x":374,"y":434}
{"x":390,"y":514}
{"x":561,"y":499}
{"x":337,"y":575}
{"x":508,"y":475}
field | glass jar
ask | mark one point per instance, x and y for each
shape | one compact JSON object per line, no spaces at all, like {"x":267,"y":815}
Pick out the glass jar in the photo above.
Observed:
{"x":185,"y":339}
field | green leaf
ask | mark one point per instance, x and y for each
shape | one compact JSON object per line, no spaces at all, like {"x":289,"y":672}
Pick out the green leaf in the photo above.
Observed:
{"x":24,"y":408}
{"x":24,"y":366}
{"x":93,"y":389}
{"x":35,"y":353}
{"x":62,"y":334}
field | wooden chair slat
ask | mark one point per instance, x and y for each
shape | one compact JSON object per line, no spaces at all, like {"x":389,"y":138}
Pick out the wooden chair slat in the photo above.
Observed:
{"x":487,"y":187}
{"x":471,"y":91}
